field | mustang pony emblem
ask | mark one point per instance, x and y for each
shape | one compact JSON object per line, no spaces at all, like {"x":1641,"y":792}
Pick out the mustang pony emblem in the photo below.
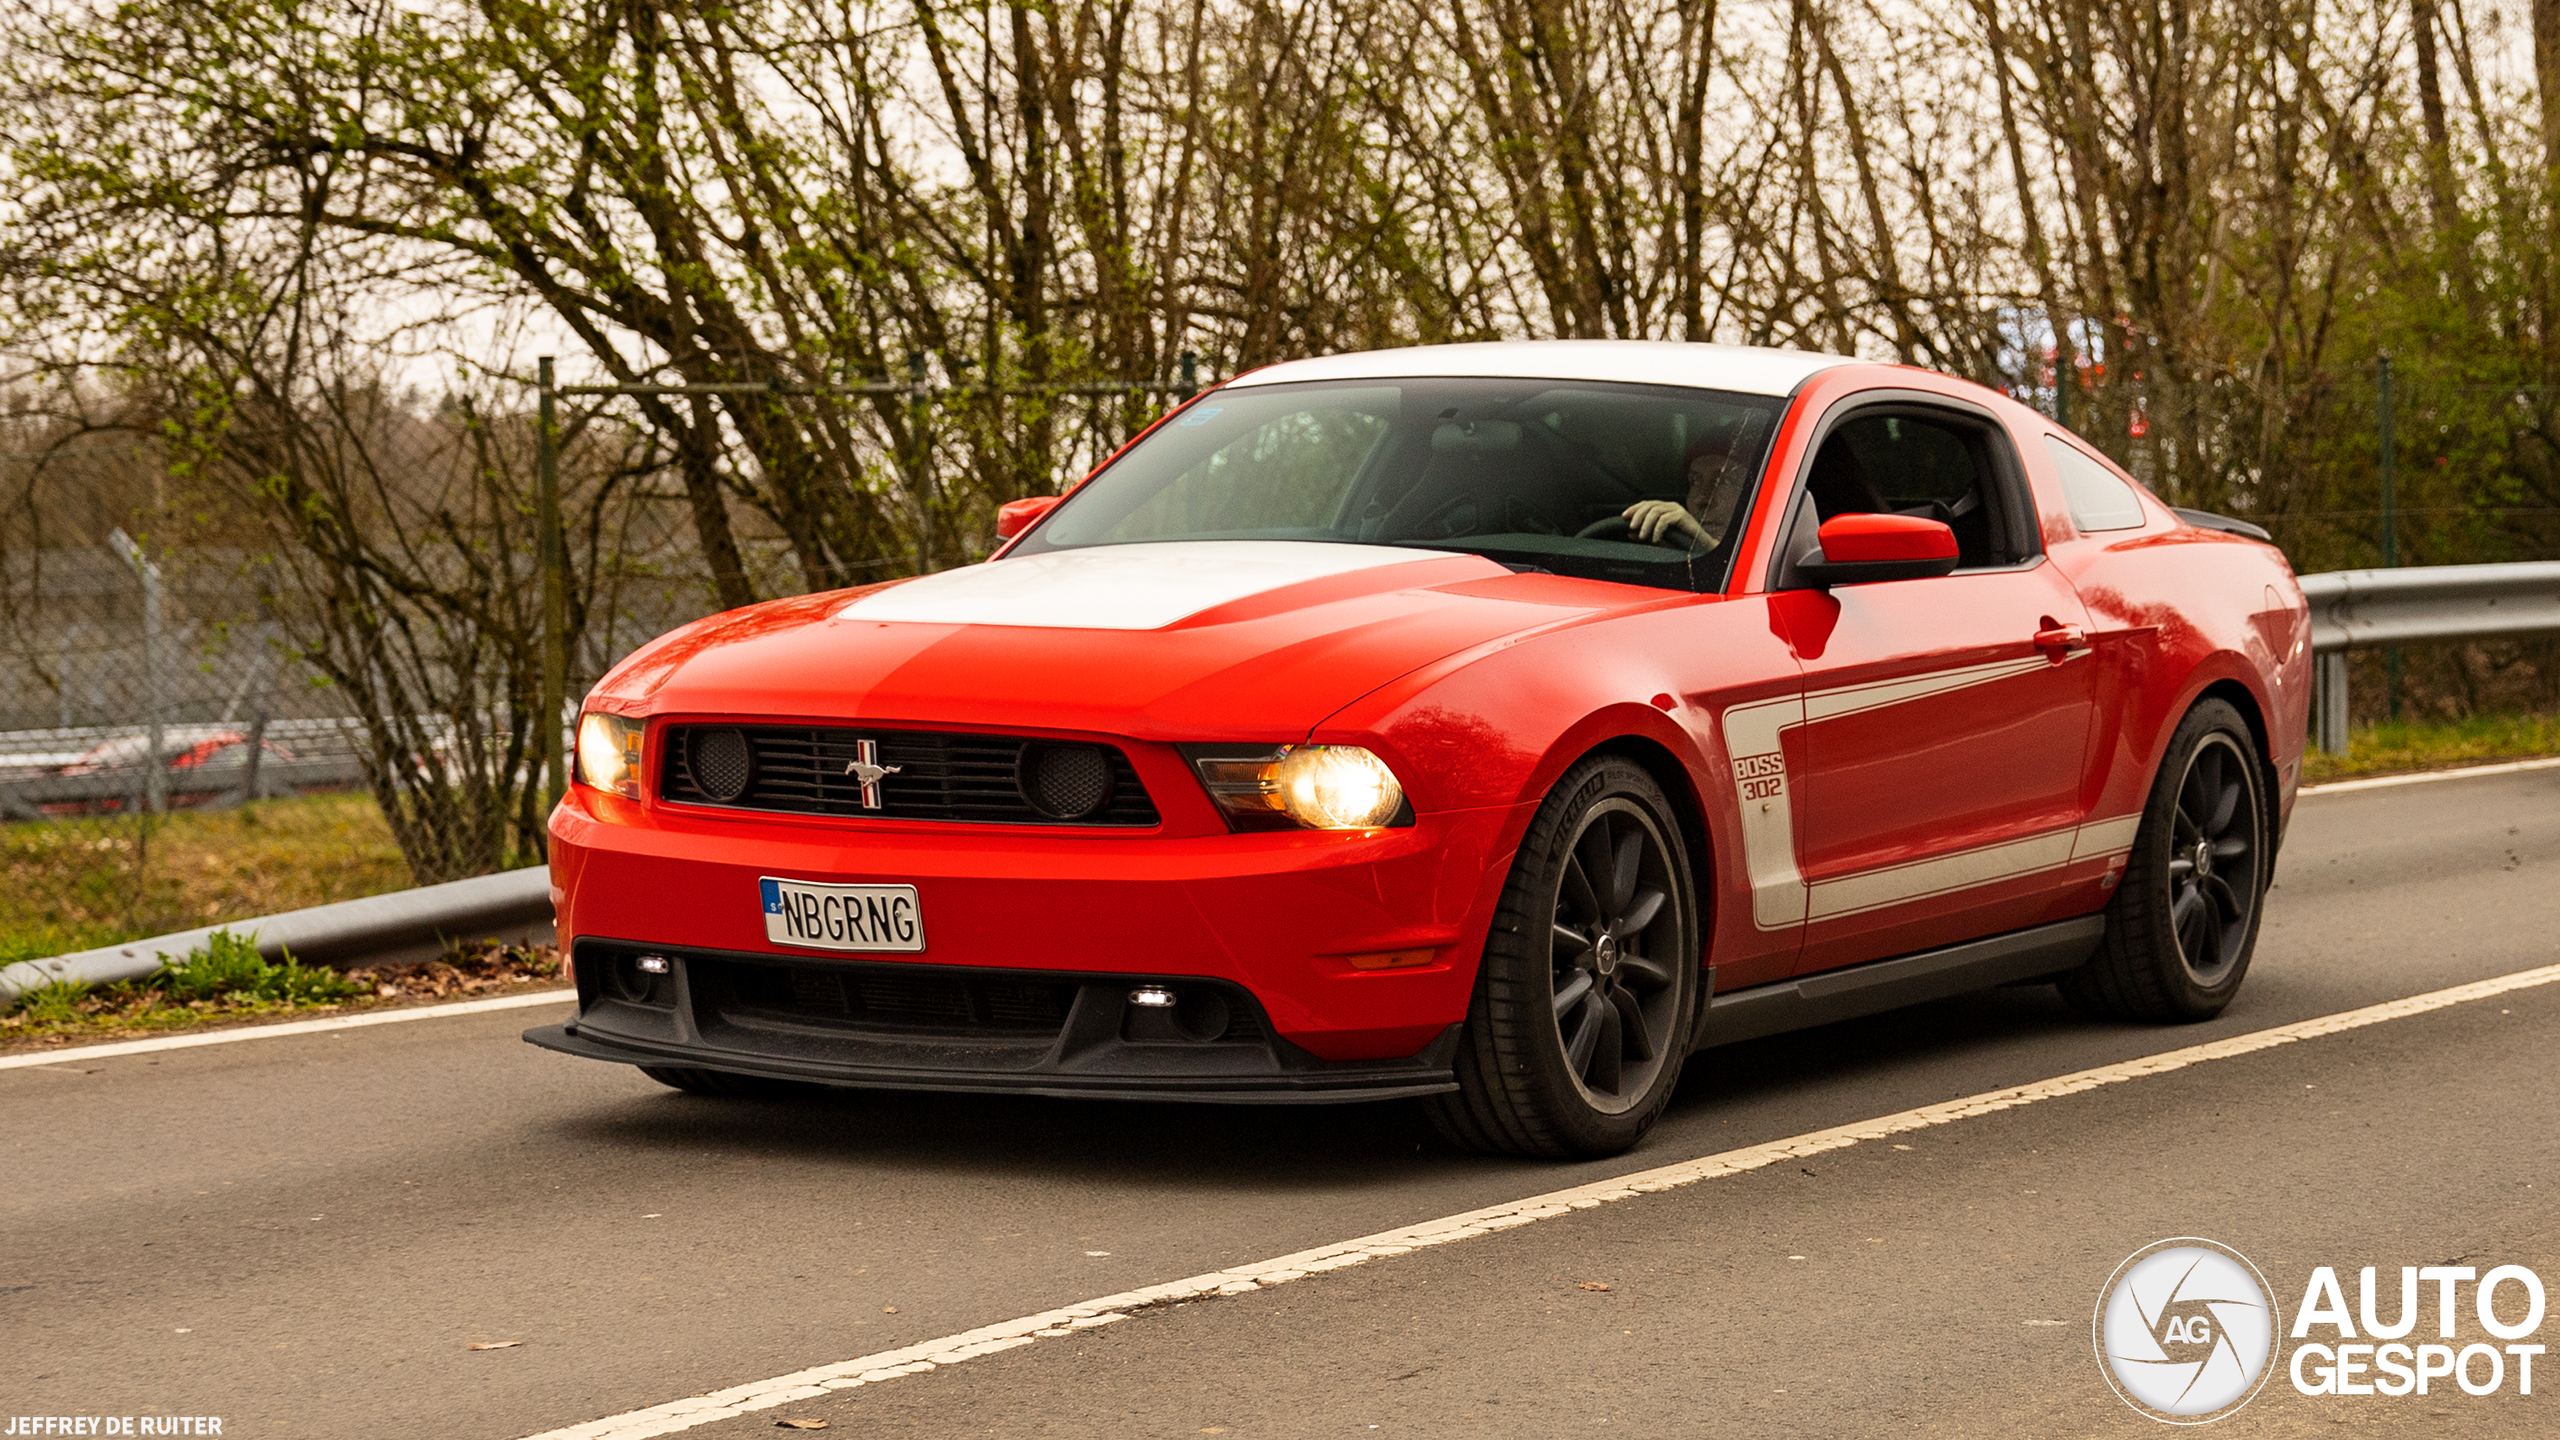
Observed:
{"x":867,"y":769}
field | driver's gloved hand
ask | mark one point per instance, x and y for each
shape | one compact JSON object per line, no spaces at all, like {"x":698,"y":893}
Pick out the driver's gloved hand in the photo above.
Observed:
{"x":1652,"y":521}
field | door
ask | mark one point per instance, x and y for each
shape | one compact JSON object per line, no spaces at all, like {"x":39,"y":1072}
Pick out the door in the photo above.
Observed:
{"x":1946,"y":721}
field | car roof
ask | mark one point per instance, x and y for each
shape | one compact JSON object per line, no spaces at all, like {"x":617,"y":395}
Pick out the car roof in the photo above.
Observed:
{"x":1743,"y":369}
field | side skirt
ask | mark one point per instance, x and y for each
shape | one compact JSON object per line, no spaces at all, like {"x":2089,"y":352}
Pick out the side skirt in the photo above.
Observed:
{"x":1809,"y":1000}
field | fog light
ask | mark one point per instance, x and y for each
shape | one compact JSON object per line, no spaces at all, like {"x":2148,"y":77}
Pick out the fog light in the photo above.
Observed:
{"x":653,"y":964}
{"x":1153,"y":997}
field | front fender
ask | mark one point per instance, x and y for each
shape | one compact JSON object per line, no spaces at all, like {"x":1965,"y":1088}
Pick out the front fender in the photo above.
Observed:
{"x":1500,"y":726}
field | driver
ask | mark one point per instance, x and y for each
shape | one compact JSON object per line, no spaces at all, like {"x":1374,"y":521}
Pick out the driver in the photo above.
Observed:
{"x":1715,"y":488}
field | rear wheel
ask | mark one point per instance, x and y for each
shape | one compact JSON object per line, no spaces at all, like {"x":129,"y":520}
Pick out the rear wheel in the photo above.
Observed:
{"x":1582,"y":1008}
{"x":718,"y":1083}
{"x":2184,"y":921}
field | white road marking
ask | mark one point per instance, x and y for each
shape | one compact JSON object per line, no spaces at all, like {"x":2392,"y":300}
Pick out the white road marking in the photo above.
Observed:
{"x":293,"y":1027}
{"x":679,"y":1415}
{"x":2338,"y":787}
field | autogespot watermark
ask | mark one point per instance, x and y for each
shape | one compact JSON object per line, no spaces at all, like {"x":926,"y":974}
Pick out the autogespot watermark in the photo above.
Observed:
{"x":2341,"y":1364}
{"x":2187,"y":1331}
{"x":2184,"y":1330}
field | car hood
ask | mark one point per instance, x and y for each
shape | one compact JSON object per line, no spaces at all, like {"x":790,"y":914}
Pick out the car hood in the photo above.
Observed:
{"x":1242,"y":640}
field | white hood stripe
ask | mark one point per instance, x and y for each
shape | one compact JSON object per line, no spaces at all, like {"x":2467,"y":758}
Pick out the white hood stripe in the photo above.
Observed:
{"x":1119,"y":587}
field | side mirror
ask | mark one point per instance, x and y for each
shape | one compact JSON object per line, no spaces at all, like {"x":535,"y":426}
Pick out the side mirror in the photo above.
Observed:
{"x":1015,"y":516}
{"x":1862,"y":549}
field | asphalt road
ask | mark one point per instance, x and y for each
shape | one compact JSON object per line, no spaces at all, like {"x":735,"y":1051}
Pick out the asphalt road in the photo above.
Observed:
{"x":303,"y":1235}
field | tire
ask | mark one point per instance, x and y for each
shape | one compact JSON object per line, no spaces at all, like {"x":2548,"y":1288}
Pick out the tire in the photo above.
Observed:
{"x":2184,"y":920}
{"x":1581,"y":1013}
{"x":716,"y":1083}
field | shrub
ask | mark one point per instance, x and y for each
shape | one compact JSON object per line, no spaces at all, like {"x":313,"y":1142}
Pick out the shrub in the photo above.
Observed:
{"x":57,"y":1001}
{"x":229,"y":967}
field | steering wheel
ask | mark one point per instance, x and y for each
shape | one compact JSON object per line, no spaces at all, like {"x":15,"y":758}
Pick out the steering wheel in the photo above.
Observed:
{"x":1606,"y":525}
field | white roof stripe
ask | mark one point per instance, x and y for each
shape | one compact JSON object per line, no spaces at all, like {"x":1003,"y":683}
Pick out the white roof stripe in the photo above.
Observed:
{"x":1743,"y":369}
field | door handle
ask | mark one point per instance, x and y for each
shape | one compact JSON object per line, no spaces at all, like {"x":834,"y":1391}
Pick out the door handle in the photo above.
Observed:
{"x":2060,"y":640}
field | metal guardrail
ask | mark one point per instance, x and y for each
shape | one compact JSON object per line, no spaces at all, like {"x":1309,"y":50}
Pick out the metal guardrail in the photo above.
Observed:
{"x":380,"y":929}
{"x":2355,"y":609}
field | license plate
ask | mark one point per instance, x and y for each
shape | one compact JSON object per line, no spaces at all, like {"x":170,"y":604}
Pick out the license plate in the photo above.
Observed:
{"x":842,"y":917}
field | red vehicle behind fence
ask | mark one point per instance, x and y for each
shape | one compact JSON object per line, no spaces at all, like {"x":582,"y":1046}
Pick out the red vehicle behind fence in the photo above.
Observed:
{"x":202,"y":762}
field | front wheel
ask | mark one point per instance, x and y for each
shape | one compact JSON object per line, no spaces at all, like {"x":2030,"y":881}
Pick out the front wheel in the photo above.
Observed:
{"x":1582,"y":1008}
{"x":2184,"y":920}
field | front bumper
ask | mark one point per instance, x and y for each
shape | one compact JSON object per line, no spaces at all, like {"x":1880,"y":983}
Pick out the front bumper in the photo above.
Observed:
{"x":1283,"y":918}
{"x":906,"y":1026}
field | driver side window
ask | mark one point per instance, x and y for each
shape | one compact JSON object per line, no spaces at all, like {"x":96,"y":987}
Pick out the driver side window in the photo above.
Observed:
{"x":1907,"y":461}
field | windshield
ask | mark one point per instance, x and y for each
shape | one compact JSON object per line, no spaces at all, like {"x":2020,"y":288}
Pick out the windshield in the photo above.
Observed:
{"x":1537,"y":474}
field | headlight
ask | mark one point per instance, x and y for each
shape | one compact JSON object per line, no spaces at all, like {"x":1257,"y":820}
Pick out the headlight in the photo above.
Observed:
{"x":1319,"y":787}
{"x":609,"y":753}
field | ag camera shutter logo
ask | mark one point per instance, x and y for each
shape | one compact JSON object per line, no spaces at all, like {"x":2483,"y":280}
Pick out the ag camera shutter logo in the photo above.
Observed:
{"x":2185,"y":1329}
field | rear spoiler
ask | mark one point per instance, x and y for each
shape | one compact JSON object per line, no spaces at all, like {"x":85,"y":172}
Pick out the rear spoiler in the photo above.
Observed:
{"x":2207,"y":520}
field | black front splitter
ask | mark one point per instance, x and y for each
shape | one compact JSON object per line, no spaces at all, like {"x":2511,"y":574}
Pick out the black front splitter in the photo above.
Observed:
{"x":1353,"y":1083}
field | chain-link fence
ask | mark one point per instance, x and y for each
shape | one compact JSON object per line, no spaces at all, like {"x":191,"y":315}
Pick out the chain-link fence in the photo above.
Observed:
{"x":128,"y":682}
{"x":354,"y":612}
{"x":415,"y":585}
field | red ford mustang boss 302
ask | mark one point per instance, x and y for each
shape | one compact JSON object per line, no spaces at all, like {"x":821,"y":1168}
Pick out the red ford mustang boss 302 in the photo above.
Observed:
{"x":1491,"y":724}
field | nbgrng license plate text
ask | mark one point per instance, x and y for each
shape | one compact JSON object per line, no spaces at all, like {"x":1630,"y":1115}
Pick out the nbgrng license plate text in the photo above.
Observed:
{"x":842,"y":917}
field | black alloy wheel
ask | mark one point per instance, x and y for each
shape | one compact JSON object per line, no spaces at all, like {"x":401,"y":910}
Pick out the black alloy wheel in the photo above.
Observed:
{"x":1613,"y":999}
{"x":2184,"y":920}
{"x":2213,"y":860}
{"x":1582,"y":1008}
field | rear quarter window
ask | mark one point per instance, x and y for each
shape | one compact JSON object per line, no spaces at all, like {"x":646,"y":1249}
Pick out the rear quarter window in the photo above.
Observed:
{"x":2098,"y":499}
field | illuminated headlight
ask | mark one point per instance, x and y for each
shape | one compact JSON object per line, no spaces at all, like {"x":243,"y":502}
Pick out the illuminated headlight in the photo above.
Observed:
{"x":609,"y":753}
{"x":1319,"y":787}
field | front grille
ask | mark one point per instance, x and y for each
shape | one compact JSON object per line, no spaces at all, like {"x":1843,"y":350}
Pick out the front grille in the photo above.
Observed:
{"x":881,"y":998}
{"x":807,"y":770}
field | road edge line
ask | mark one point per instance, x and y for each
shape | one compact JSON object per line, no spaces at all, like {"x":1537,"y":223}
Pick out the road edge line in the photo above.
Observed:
{"x":679,"y":1415}
{"x":2421,"y":777}
{"x":290,"y":1027}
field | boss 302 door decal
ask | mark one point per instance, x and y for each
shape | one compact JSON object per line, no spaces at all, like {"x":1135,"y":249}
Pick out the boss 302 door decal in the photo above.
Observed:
{"x":1780,"y":897}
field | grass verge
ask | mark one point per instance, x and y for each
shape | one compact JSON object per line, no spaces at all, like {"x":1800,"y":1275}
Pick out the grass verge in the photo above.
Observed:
{"x":229,"y":983}
{"x":2404,"y":745}
{"x":75,"y":884}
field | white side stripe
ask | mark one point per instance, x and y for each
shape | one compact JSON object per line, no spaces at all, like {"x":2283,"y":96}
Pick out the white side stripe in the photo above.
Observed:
{"x":2106,"y":837}
{"x":1854,"y":699}
{"x":1939,"y":874}
{"x":1751,"y":737}
{"x":1754,"y":735}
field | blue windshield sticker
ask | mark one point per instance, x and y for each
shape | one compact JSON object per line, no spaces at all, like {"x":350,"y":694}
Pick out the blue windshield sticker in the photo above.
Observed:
{"x":1201,"y":416}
